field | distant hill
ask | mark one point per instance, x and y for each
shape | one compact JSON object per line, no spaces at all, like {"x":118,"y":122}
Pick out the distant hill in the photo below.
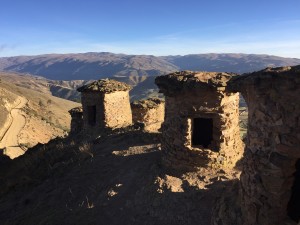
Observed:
{"x":58,"y":88}
{"x":87,"y":66}
{"x":237,"y":63}
{"x":90,"y":66}
{"x":46,"y":116}
{"x":61,"y":74}
{"x":143,"y":87}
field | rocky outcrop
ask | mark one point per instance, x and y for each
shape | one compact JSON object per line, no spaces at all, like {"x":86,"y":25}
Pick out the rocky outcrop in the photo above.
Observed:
{"x":201,"y":127}
{"x":150,"y":112}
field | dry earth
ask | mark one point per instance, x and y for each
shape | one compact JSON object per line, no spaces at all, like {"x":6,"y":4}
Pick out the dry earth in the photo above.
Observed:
{"x":29,"y":117}
{"x":116,"y":179}
{"x":10,"y":141}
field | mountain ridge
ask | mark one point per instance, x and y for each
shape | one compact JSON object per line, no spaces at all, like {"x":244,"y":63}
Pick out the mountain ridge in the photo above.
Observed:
{"x":96,"y":65}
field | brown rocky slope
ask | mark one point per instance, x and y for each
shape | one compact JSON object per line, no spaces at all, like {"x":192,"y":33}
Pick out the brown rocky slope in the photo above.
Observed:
{"x":45,"y":117}
{"x":114,"y":179}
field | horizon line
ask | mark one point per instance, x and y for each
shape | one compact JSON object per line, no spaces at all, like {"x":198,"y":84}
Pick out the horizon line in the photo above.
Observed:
{"x":208,"y":53}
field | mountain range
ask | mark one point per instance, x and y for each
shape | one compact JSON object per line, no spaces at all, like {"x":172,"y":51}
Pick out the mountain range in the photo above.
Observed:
{"x":93,"y":65}
{"x":61,"y":74}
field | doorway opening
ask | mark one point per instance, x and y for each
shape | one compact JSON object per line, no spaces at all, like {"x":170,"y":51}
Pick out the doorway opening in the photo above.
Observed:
{"x":202,"y":132}
{"x":294,"y":203}
{"x":91,"y":115}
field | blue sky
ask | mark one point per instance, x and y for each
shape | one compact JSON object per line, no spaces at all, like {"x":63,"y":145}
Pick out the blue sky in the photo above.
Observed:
{"x":156,"y":27}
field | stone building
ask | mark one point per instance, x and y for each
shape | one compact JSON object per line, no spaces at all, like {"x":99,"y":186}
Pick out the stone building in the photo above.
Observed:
{"x":150,"y":112}
{"x":105,"y":105}
{"x":76,"y":120}
{"x":201,"y":127}
{"x":270,"y":179}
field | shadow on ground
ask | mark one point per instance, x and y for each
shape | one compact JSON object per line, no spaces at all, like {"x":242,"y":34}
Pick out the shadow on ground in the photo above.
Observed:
{"x":114,"y":179}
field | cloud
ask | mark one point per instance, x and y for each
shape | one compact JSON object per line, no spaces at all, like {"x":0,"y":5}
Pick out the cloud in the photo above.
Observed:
{"x":3,"y":47}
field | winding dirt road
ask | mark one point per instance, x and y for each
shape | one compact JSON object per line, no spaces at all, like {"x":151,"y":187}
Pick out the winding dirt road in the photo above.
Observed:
{"x":10,"y":139}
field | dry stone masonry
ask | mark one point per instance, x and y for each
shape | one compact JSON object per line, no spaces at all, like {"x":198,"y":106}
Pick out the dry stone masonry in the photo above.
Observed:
{"x":270,"y":181}
{"x":201,"y":127}
{"x":105,"y":105}
{"x":76,"y":120}
{"x":150,"y":112}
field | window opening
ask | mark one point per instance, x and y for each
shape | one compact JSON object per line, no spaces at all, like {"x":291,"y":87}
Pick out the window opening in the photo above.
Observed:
{"x":202,"y":133}
{"x":91,"y":115}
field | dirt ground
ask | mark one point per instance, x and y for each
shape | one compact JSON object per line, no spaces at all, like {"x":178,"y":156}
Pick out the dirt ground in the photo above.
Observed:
{"x":10,"y":140}
{"x":29,"y":117}
{"x":116,"y":179}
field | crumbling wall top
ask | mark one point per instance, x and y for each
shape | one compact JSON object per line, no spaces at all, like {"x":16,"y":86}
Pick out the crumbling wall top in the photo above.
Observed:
{"x":105,"y":86}
{"x":264,"y":77}
{"x":173,"y":83}
{"x":149,"y":103}
{"x":76,"y":110}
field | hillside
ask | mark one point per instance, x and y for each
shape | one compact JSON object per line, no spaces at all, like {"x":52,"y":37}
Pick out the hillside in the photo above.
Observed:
{"x":90,"y":66}
{"x":87,"y":66}
{"x":114,"y":179}
{"x":61,"y":74}
{"x":38,"y":117}
{"x":143,"y":87}
{"x":237,"y":63}
{"x":58,"y":88}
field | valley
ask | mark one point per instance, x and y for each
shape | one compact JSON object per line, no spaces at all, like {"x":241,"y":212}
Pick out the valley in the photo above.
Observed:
{"x":29,"y":117}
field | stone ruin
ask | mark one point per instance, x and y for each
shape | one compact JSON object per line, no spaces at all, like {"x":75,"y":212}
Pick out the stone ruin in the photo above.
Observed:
{"x":105,"y":104}
{"x":270,"y":179}
{"x":201,"y":127}
{"x":76,"y":120}
{"x":150,"y":112}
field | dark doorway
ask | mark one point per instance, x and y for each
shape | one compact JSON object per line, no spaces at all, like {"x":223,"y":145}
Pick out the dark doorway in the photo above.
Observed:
{"x":202,"y":133}
{"x":91,"y":115}
{"x":294,"y":203}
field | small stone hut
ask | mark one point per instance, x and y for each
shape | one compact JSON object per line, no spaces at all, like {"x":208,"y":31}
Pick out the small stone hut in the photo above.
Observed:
{"x":150,"y":112}
{"x":105,"y":104}
{"x":201,"y":127}
{"x":76,"y":120}
{"x":270,"y":179}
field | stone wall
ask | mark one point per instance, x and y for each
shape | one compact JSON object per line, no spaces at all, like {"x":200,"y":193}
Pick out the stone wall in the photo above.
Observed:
{"x":150,"y":112}
{"x":105,"y":104}
{"x":226,"y":146}
{"x":76,"y":120}
{"x":93,"y":99}
{"x":112,"y":110}
{"x":268,"y":180}
{"x":117,"y":111}
{"x":199,"y":96}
